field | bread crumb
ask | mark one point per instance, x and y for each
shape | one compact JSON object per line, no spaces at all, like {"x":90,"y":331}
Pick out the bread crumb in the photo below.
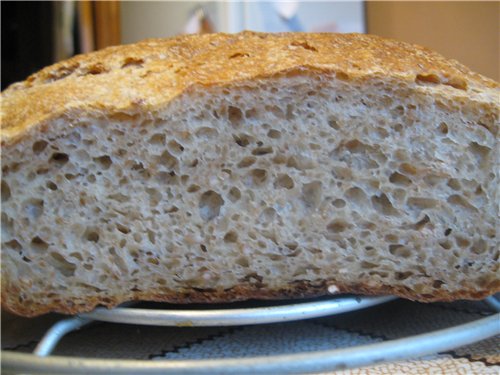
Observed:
{"x":333,"y":289}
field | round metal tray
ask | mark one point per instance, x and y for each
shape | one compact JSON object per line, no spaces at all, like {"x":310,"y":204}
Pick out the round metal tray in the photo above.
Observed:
{"x":325,"y":360}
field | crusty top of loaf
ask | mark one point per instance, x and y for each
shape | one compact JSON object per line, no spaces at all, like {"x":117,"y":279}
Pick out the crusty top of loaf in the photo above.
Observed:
{"x":146,"y":76}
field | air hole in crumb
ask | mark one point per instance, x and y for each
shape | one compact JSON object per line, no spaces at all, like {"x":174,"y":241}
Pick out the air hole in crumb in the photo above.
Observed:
{"x":172,"y":209}
{"x":157,"y":139}
{"x":151,"y":236}
{"x":95,"y":69}
{"x":274,"y":134}
{"x":104,"y":161}
{"x":175,"y":147}
{"x":38,"y":244}
{"x":356,"y":196}
{"x":231,"y":237}
{"x":50,"y":185}
{"x":34,"y":207}
{"x":279,"y":159}
{"x":242,"y":261}
{"x":91,"y":235}
{"x":333,"y":123}
{"x":459,"y":200}
{"x":312,"y":193}
{"x":399,"y":251}
{"x":234,"y":194}
{"x":462,"y":241}
{"x":480,"y":152}
{"x":408,"y":168}
{"x":383,"y":205}
{"x":267,"y":215}
{"x":14,"y":245}
{"x":168,"y":160}
{"x":284,"y":181}
{"x":137,"y":237}
{"x":39,"y":146}
{"x":337,"y":226}
{"x":456,"y":82}
{"x":5,"y":191}
{"x":242,"y":140}
{"x":246,"y":162}
{"x":300,"y":162}
{"x":479,"y":247}
{"x":445,"y":245}
{"x":433,"y":179}
{"x":403,"y":275}
{"x":422,"y":222}
{"x":437,"y":284}
{"x":339,"y":203}
{"x":77,"y":256}
{"x":259,"y":151}
{"x":342,"y":76}
{"x":422,"y":203}
{"x":65,"y":267}
{"x":314,"y":146}
{"x":119,"y":197}
{"x":443,"y":128}
{"x":155,"y":196}
{"x":234,"y":115}
{"x":427,"y":78}
{"x":122,"y":228}
{"x":210,"y":204}
{"x":206,"y":132}
{"x":59,"y":159}
{"x":193,"y":188}
{"x":239,"y":54}
{"x":259,"y":176}
{"x":251,"y":113}
{"x":304,"y":45}
{"x":399,"y":179}
{"x":134,"y":62}
{"x":368,"y":265}
{"x":454,"y":184}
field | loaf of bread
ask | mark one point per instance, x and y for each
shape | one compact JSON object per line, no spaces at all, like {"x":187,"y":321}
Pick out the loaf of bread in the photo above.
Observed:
{"x":227,"y":167}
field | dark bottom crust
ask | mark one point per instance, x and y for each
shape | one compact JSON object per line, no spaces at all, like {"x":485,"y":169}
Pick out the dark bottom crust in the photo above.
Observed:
{"x":297,"y":289}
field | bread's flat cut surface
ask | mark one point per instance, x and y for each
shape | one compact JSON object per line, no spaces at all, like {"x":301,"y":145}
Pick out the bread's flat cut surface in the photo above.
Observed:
{"x":225,"y":167}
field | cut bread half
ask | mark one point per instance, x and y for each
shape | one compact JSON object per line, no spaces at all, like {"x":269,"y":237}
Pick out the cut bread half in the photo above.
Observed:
{"x":226,"y":167}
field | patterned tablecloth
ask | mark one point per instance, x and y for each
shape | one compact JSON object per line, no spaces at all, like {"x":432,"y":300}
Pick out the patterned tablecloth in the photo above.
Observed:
{"x":391,"y":320}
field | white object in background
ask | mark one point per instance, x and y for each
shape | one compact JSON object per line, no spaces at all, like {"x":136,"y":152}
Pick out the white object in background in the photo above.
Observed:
{"x":64,"y":14}
{"x":286,"y":9}
{"x":193,"y":24}
{"x":198,"y":23}
{"x":312,"y":16}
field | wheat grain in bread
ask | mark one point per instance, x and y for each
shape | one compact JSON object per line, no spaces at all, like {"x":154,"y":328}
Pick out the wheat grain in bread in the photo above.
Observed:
{"x":226,"y":167}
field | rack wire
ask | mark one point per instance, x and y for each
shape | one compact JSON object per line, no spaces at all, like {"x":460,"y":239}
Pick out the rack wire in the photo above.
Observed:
{"x":326,"y":360}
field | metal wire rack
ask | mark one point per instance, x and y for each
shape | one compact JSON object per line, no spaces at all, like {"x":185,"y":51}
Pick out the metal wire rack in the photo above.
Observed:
{"x":326,"y":360}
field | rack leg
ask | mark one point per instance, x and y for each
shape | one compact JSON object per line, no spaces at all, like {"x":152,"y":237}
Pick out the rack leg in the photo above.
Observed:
{"x":494,"y":302}
{"x":56,"y":333}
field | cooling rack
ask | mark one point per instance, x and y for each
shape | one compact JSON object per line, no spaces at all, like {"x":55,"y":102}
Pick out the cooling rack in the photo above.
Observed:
{"x":326,"y":360}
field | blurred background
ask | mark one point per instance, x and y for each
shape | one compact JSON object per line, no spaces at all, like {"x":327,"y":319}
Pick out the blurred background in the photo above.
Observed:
{"x":38,"y":33}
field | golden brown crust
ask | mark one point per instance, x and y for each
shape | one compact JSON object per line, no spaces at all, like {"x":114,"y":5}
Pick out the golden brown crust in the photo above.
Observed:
{"x":149,"y":74}
{"x":296,"y":289}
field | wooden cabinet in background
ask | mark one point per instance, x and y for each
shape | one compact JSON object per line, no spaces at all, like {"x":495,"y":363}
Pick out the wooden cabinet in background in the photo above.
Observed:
{"x":467,"y":31}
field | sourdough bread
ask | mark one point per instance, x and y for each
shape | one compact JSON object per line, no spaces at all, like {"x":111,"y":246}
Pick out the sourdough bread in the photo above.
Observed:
{"x":226,"y":167}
